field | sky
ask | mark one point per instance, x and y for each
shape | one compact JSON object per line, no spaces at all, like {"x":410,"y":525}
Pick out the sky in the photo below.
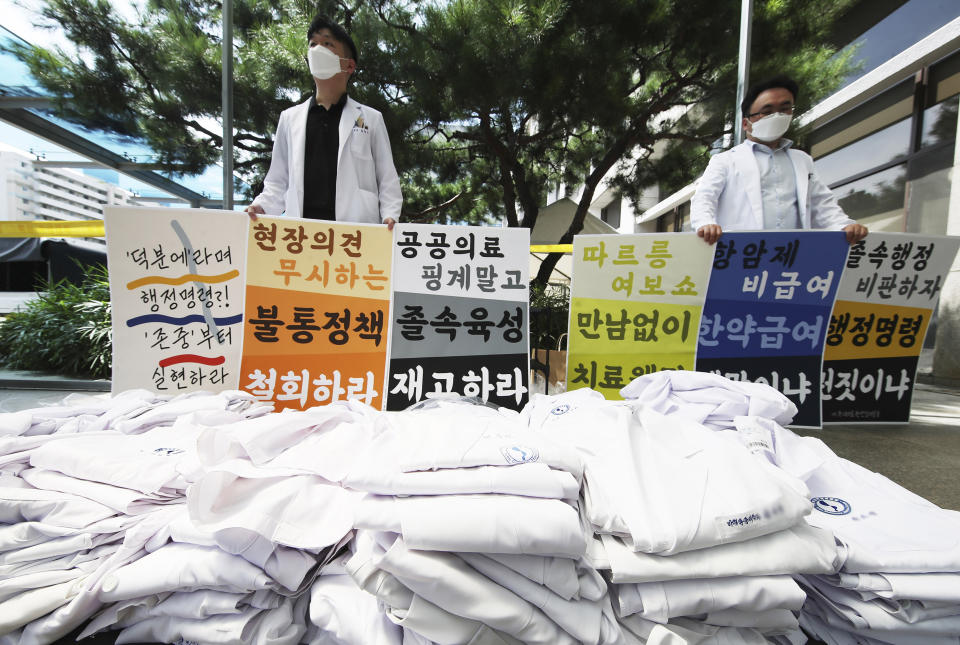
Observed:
{"x":21,"y":18}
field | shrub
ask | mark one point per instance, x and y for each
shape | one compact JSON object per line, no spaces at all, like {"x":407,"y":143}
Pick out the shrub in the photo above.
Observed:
{"x":549,"y":310}
{"x":66,"y":330}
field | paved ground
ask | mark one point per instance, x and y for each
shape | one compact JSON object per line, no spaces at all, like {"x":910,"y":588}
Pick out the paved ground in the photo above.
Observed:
{"x":923,"y":455}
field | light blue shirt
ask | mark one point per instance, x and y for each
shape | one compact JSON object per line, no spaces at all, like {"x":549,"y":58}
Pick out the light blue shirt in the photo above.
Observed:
{"x":778,"y":186}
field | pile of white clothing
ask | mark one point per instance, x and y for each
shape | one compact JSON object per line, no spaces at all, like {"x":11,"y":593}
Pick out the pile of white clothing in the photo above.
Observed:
{"x":469,"y":531}
{"x":130,"y":412}
{"x":264,"y":513}
{"x":678,"y":509}
{"x":708,"y":399}
{"x":898,"y":555}
{"x":682,"y":515}
{"x":900,"y":576}
{"x":90,"y":495}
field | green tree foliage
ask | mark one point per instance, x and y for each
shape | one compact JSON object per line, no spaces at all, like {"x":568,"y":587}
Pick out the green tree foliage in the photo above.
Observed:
{"x":547,"y":91}
{"x":65,"y":330}
{"x":158,"y":78}
{"x":490,"y":103}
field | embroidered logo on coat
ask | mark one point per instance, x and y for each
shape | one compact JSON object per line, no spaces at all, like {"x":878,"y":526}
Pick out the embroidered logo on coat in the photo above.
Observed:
{"x":560,"y":409}
{"x":831,"y":505}
{"x":519,"y":454}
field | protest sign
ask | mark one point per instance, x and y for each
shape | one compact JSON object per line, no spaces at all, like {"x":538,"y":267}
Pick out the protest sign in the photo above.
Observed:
{"x":176,"y":288}
{"x":460,"y":314}
{"x":767,"y":311}
{"x":885,"y":304}
{"x":635,"y":304}
{"x":317,"y":312}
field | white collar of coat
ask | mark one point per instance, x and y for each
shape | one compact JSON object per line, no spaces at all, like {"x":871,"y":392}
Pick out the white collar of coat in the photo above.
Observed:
{"x":784,"y":144}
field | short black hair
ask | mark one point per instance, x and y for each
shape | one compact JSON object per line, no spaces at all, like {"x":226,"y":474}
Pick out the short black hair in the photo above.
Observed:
{"x":320,"y":22}
{"x":757,"y":89}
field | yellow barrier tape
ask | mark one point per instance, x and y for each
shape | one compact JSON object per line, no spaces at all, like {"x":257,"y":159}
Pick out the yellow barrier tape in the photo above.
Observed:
{"x":551,"y":248}
{"x":51,"y":229}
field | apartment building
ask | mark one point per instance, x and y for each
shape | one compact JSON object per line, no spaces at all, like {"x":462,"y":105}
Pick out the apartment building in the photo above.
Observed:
{"x":33,"y":190}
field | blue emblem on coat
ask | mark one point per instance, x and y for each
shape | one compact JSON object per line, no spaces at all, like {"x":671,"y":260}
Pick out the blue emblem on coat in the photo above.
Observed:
{"x":518,"y":454}
{"x":831,"y":505}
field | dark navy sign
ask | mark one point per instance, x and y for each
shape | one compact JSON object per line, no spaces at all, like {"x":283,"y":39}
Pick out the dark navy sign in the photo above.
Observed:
{"x":768,"y":310}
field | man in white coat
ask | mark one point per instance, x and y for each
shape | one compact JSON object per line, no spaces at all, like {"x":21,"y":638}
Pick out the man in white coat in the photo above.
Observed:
{"x":763,"y":184}
{"x":331,"y":155}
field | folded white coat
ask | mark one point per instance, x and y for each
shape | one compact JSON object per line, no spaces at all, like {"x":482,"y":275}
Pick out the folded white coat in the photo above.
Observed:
{"x":883,"y":527}
{"x":686,"y":631}
{"x":281,"y":626}
{"x":709,"y":399}
{"x":457,"y":435}
{"x":324,"y":441}
{"x":286,"y":566}
{"x":301,"y":511}
{"x":34,"y":505}
{"x":921,"y":587}
{"x":118,"y":499}
{"x":661,"y":601}
{"x":190,"y":605}
{"x":448,"y":582}
{"x":565,"y":577}
{"x":165,"y":413}
{"x":799,"y":549}
{"x":846,"y":609}
{"x":147,"y":463}
{"x":667,"y":485}
{"x":342,"y":612}
{"x":420,"y":619}
{"x":477,"y":523}
{"x":580,"y":618}
{"x":768,"y":622}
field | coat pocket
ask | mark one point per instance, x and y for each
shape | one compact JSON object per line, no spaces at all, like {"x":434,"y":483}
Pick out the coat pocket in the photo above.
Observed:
{"x":366,"y":173}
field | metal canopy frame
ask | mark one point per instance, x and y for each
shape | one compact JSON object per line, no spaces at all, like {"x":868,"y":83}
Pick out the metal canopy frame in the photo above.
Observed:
{"x":15,"y":110}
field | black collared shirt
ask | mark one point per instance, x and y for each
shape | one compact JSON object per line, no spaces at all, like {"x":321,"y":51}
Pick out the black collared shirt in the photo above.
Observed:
{"x":320,"y":160}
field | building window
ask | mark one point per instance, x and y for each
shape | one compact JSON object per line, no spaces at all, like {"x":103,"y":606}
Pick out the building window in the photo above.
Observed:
{"x":676,"y":221}
{"x":908,"y":24}
{"x":611,"y":213}
{"x":889,"y":160}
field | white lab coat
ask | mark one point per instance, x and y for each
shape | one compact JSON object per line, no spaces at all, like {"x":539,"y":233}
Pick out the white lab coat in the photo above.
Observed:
{"x":728,"y":193}
{"x":368,"y":189}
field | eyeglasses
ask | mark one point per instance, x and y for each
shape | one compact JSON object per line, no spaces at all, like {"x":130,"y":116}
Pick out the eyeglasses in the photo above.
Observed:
{"x":767,"y":111}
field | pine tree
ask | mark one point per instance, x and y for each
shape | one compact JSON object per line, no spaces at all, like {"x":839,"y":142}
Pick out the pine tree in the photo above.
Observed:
{"x":489,"y":103}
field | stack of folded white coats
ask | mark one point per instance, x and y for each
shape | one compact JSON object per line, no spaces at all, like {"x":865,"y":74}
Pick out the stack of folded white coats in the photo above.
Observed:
{"x":264,"y":512}
{"x":469,"y":531}
{"x":77,"y":505}
{"x":201,"y":518}
{"x":81,"y":505}
{"x":708,"y":399}
{"x":680,"y":510}
{"x":130,"y":412}
{"x":195,"y":586}
{"x":900,"y":577}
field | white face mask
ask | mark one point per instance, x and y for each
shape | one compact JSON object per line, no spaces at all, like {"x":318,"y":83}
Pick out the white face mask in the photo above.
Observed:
{"x":324,"y":63}
{"x":771,"y":128}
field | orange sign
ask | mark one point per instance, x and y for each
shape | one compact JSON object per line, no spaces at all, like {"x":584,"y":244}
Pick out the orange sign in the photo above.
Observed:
{"x":316,"y":312}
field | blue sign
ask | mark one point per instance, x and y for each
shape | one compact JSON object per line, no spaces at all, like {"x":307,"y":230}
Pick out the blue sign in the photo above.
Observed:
{"x":768,"y":308}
